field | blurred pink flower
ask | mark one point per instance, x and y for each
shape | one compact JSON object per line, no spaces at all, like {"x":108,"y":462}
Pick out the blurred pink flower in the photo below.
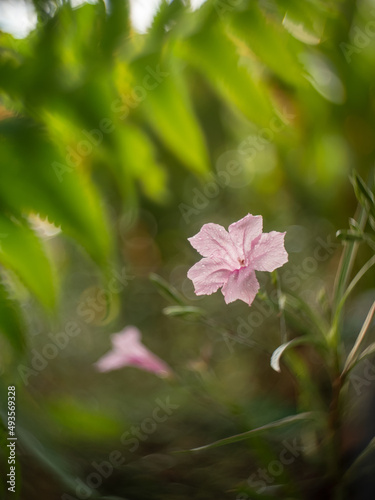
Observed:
{"x":128,"y":350}
{"x":231,"y":258}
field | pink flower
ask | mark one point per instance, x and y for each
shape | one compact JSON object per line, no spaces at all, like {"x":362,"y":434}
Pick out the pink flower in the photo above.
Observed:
{"x":231,"y":258}
{"x":128,"y":350}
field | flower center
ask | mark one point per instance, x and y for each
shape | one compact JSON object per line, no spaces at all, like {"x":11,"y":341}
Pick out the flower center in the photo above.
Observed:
{"x":241,"y":261}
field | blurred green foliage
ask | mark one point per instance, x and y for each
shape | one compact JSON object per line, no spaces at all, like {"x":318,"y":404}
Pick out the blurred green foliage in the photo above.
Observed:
{"x":128,"y":143}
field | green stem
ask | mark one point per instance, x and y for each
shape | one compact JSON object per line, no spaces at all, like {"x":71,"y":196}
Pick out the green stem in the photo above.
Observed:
{"x":347,"y":262}
{"x":281,"y":306}
{"x":336,"y":320}
{"x":353,"y":355}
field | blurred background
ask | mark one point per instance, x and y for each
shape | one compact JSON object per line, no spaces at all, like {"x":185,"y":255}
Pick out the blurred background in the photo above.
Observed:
{"x":123,"y":129}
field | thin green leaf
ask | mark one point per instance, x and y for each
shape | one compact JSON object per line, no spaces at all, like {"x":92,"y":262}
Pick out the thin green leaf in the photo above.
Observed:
{"x":370,"y":448}
{"x":270,"y":42}
{"x":362,"y":191}
{"x":278,"y":353}
{"x":369,"y":351}
{"x":354,"y":224}
{"x":138,"y":162}
{"x":186,"y":312}
{"x":47,"y":458}
{"x":35,"y":271}
{"x":11,"y":325}
{"x":216,"y":56}
{"x":264,"y":428}
{"x":166,"y":290}
{"x":168,"y":109}
{"x":34,"y":177}
{"x":343,"y":274}
{"x":348,"y":235}
{"x":351,"y":286}
{"x":353,"y":355}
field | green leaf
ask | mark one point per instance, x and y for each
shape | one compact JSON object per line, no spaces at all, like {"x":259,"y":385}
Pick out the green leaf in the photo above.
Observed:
{"x":168,"y":109}
{"x":48,"y":458}
{"x":34,"y":177}
{"x":353,"y":355}
{"x":74,"y":417}
{"x":11,"y":325}
{"x":335,"y":323}
{"x":186,"y":312}
{"x":216,"y":56}
{"x":165,"y":16}
{"x":270,"y":42}
{"x":296,"y":305}
{"x":343,"y":274}
{"x":349,"y":235}
{"x":301,"y":417}
{"x":370,"y":448}
{"x":278,"y":353}
{"x":304,"y":21}
{"x":366,"y":353}
{"x":166,"y":290}
{"x":138,"y":161}
{"x":35,"y":270}
{"x":363,"y":193}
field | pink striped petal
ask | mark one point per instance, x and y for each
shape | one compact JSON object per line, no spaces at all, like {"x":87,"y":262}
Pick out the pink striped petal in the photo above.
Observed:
{"x":208,"y":275}
{"x":213,"y":239}
{"x":242,"y":284}
{"x":245,"y":231}
{"x":268,"y":252}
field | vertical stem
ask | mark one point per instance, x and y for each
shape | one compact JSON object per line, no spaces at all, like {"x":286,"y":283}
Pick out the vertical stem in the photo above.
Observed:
{"x":281,"y":305}
{"x":334,"y":421}
{"x":346,"y":263}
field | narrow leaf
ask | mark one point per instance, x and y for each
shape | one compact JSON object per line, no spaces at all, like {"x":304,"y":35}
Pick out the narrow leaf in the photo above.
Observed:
{"x":264,"y":428}
{"x":349,"y":289}
{"x":278,"y":353}
{"x":353,"y":355}
{"x":11,"y":325}
{"x":166,"y":290}
{"x":216,"y":56}
{"x":186,"y":312}
{"x":345,"y":268}
{"x":168,"y":109}
{"x":34,"y":177}
{"x":361,"y":190}
{"x":366,"y":353}
{"x":370,"y":448}
{"x":35,"y":270}
{"x":346,"y":235}
{"x":270,"y":42}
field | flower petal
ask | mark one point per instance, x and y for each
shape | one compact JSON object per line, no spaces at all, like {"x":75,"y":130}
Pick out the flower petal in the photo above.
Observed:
{"x":213,"y":239}
{"x":245,"y":231}
{"x":242,"y":284}
{"x":128,"y":350}
{"x":110,"y":361}
{"x":269,"y":252}
{"x":208,"y":275}
{"x":127,"y":339}
{"x":147,"y":361}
